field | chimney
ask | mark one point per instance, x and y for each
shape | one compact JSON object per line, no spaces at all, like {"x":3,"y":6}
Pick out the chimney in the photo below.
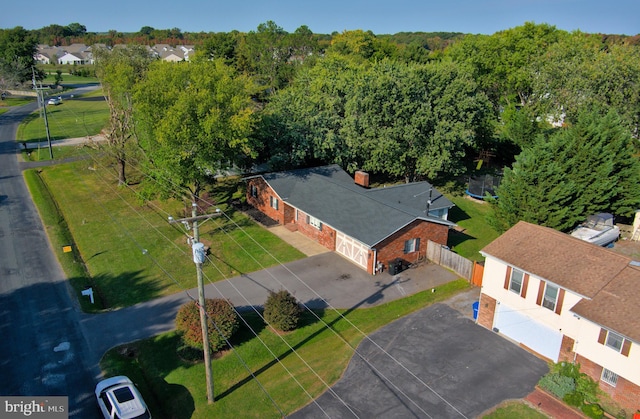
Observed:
{"x":362,"y":178}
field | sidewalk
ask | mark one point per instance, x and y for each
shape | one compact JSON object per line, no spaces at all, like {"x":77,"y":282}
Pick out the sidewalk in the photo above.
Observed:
{"x":66,"y":141}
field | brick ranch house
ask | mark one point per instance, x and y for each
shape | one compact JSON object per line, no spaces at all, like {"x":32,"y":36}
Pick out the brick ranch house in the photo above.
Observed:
{"x":370,"y":227}
{"x":566,"y":300}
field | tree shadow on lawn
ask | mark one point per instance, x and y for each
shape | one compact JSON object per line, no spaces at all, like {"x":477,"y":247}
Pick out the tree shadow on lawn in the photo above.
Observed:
{"x":311,"y":316}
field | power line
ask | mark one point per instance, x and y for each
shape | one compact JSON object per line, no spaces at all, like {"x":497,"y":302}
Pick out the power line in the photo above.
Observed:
{"x":355,"y":350}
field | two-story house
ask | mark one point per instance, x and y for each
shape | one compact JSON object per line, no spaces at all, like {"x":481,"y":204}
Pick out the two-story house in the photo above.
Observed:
{"x":566,"y":300}
{"x":369,"y":226}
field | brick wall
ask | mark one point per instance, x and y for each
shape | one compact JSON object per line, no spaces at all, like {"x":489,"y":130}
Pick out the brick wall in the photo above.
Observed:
{"x":566,"y":349}
{"x":625,"y":393}
{"x":262,"y":200}
{"x":326,"y":236}
{"x":486,"y":311}
{"x":393,"y":246}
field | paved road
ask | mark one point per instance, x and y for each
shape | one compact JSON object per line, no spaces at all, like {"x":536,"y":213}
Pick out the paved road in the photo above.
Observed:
{"x":42,"y":350}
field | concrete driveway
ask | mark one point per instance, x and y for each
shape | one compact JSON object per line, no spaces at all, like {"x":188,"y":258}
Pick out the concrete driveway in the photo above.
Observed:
{"x":436,"y":363}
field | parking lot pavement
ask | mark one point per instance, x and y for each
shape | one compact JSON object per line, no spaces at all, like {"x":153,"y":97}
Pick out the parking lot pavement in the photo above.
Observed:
{"x":436,"y":363}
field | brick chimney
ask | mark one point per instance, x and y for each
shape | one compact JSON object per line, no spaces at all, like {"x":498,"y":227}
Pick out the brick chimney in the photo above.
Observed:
{"x":362,"y":178}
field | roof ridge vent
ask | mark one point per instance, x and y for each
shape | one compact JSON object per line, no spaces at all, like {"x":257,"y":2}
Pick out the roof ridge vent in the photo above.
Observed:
{"x":635,"y":263}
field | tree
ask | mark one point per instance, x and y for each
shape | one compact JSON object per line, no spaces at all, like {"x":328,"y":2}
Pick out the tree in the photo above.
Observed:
{"x":586,"y":168}
{"x":193,"y":120}
{"x":17,"y":63}
{"x":222,"y":323}
{"x":265,"y":54}
{"x":405,"y":120}
{"x":501,"y":62}
{"x":119,"y":70}
{"x":282,"y":311}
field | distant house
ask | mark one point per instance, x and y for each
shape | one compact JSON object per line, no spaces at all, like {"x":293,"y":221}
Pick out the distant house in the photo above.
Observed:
{"x":48,"y":55}
{"x":74,"y":59}
{"x":370,"y":227}
{"x":166,"y":52}
{"x":566,"y":300}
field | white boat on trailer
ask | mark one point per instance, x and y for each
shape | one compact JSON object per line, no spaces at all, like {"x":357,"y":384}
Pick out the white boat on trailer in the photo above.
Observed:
{"x":598,"y":229}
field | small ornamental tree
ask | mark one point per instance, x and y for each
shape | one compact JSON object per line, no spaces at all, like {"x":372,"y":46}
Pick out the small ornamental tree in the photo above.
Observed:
{"x":218,"y":311}
{"x":282,"y":311}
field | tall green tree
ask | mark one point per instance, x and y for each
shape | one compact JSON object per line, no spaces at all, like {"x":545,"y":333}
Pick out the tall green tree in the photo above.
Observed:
{"x":193,"y":119}
{"x":414,"y":120}
{"x":119,"y":70}
{"x":586,"y":168}
{"x":17,"y":63}
{"x":404,"y":120}
{"x":501,"y":62}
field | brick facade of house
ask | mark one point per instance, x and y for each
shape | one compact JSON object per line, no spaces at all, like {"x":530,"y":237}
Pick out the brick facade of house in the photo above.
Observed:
{"x":566,"y":349}
{"x":487,"y":311}
{"x":625,"y":393}
{"x":393,"y":246}
{"x":261,"y":196}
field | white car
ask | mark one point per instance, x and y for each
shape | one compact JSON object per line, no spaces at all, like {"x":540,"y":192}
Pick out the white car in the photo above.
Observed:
{"x":54,"y":101}
{"x":118,"y":398}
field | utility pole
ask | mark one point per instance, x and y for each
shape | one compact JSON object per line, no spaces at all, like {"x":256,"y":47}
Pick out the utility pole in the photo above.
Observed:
{"x":198,"y":259}
{"x":41,"y":102}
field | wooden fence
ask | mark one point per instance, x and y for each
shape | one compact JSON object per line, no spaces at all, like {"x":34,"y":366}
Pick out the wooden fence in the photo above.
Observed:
{"x":441,"y":255}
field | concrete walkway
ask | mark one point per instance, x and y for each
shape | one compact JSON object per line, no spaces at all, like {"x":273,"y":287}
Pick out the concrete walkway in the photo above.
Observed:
{"x":299,"y":241}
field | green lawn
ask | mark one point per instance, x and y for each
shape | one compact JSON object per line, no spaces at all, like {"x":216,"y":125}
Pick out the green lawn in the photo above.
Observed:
{"x":475,"y":233}
{"x":80,"y":116}
{"x":131,"y":252}
{"x":515,"y":409}
{"x":175,"y":387}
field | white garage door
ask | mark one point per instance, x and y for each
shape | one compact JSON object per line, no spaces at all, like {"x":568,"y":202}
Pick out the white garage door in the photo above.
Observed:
{"x":524,"y":329}
{"x":352,"y":249}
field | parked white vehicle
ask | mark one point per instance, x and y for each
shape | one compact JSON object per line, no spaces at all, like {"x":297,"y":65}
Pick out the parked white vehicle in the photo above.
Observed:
{"x":119,"y":398}
{"x":54,"y":101}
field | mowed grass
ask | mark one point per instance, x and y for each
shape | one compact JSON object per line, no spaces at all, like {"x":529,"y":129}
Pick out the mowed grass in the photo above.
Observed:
{"x":80,"y":116}
{"x":473,"y":233}
{"x":515,"y":409}
{"x":132,"y":253}
{"x":175,"y":387}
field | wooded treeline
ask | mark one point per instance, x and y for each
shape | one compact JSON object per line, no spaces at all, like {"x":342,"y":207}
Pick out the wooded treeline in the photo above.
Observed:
{"x":558,"y":111}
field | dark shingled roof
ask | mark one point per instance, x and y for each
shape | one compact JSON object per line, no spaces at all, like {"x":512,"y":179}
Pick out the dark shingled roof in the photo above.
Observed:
{"x":608,"y":281}
{"x":329,"y":194}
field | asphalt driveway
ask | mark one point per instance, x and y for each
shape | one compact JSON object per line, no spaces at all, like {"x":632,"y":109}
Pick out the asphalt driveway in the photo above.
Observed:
{"x":447,"y":367}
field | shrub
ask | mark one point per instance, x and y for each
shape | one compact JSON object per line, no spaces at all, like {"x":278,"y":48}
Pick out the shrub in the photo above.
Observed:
{"x":282,"y":311}
{"x":593,"y":411}
{"x":587,"y":388}
{"x":574,"y":399}
{"x":222,"y":323}
{"x":557,"y":384}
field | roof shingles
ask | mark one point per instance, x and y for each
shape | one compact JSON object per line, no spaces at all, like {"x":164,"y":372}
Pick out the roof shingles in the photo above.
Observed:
{"x":608,"y":282}
{"x":330,"y":194}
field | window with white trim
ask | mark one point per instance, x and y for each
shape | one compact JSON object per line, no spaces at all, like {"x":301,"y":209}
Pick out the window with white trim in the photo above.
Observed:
{"x":614,"y":341}
{"x":550,"y":297}
{"x":609,"y":377}
{"x":314,"y":222}
{"x":412,"y":245}
{"x":515,"y":284}
{"x":273,"y":201}
{"x":254,"y":191}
